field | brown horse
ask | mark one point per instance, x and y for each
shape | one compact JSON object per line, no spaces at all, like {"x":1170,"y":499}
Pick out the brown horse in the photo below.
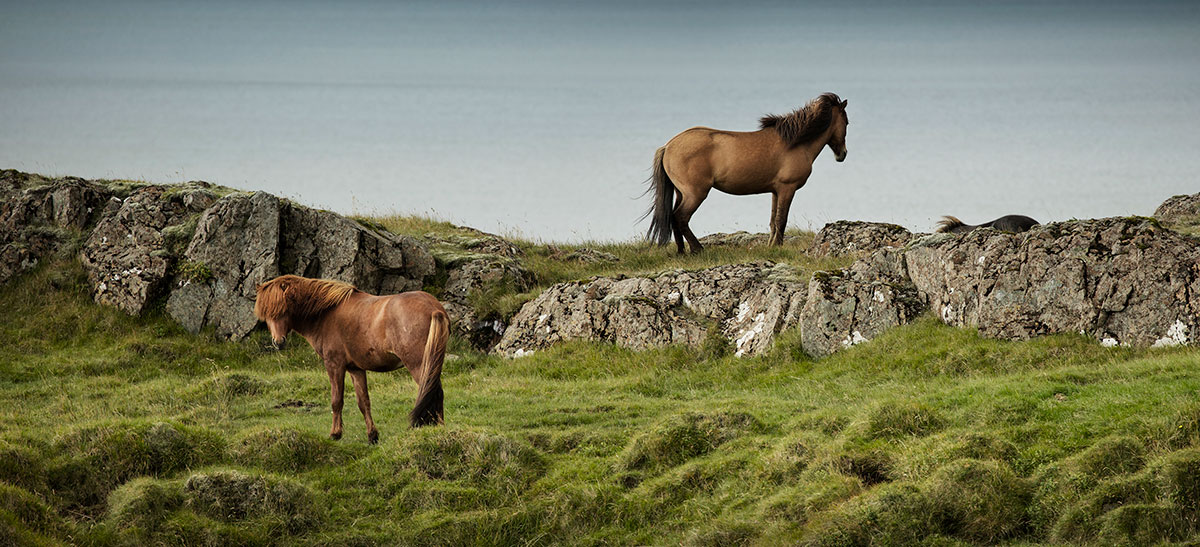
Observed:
{"x":354,"y":332}
{"x":777,"y":158}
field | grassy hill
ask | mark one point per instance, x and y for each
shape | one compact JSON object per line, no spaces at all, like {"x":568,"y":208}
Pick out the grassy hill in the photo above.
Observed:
{"x":124,"y":431}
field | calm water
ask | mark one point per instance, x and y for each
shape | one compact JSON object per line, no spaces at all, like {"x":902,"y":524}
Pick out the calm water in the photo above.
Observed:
{"x":541,"y":119}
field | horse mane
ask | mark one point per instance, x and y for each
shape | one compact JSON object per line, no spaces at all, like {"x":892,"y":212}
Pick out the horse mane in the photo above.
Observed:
{"x":948,"y":223}
{"x":299,"y":297}
{"x":804,"y":124}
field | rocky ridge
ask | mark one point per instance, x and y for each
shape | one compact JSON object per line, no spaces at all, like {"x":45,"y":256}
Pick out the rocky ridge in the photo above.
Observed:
{"x":201,"y":250}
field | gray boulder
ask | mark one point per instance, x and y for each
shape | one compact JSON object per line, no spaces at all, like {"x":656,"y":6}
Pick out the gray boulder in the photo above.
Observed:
{"x":1121,"y":280}
{"x":747,"y":304}
{"x":38,"y":214}
{"x":582,"y":255}
{"x":743,"y":239}
{"x":246,"y":239}
{"x":851,"y":306}
{"x":852,"y":237}
{"x":1179,"y":208}
{"x":465,"y":243}
{"x":129,"y":255}
{"x":470,"y":285}
{"x":477,"y":266}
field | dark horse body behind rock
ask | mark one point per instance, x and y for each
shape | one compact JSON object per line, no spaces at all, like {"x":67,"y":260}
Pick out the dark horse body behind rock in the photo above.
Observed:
{"x":1007,"y":223}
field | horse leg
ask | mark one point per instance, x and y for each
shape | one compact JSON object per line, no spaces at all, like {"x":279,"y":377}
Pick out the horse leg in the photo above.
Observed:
{"x":675,"y":223}
{"x":337,"y":388}
{"x":774,"y":214}
{"x":683,"y":214}
{"x":783,"y":202}
{"x":359,"y":377}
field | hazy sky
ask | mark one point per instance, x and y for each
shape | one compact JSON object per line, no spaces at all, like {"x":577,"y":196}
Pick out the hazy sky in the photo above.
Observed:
{"x":542,"y":118}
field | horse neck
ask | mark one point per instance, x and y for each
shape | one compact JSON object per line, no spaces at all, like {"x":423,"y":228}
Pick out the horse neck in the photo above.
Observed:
{"x":814,"y":148}
{"x":313,"y":328}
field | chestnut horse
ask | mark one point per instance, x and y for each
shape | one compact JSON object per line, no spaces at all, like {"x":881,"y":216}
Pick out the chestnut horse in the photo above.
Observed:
{"x":354,"y":332}
{"x":777,"y":159}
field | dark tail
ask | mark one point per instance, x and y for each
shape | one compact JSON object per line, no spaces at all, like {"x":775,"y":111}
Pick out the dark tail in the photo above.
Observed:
{"x":948,"y":224}
{"x":428,"y":410}
{"x":660,"y":210}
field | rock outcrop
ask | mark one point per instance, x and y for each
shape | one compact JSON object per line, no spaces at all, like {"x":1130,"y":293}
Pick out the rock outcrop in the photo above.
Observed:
{"x":246,"y":239}
{"x":857,"y":304}
{"x":37,"y":214}
{"x":1179,"y":208}
{"x":478,"y":265}
{"x":128,"y":256}
{"x":743,"y":239}
{"x":471,"y":285}
{"x":1124,"y":281}
{"x":1121,"y":280}
{"x":582,"y":255}
{"x":851,"y":237}
{"x":747,"y":304}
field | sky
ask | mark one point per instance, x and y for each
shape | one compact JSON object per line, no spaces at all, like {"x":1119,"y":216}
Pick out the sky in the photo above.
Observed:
{"x":541,"y":119}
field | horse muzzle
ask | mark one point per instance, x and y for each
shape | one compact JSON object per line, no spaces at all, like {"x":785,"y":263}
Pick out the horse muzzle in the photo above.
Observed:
{"x":841,"y":157}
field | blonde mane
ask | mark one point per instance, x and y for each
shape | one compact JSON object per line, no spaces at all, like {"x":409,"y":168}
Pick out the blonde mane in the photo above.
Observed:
{"x":299,"y":297}
{"x":804,"y":124}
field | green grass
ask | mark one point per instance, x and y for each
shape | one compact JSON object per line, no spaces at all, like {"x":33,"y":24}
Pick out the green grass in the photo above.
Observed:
{"x":121,"y":431}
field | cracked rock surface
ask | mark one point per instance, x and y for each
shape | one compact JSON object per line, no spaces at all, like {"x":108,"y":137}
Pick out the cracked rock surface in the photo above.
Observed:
{"x":1124,"y":281}
{"x":246,"y":239}
{"x":852,"y":237}
{"x":1120,"y":280}
{"x":857,"y":304}
{"x":126,"y":255}
{"x":1179,"y":208}
{"x":37,"y":214}
{"x":747,"y":304}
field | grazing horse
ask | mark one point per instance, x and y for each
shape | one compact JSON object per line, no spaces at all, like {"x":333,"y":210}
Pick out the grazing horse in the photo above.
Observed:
{"x":1007,"y":223}
{"x":777,"y":158}
{"x":354,"y":332}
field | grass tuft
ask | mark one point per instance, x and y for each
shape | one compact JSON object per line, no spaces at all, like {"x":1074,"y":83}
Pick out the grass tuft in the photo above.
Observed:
{"x":980,"y":501}
{"x":683,"y":437}
{"x":230,"y":495}
{"x":94,"y":460}
{"x":288,"y":450}
{"x":890,"y":420}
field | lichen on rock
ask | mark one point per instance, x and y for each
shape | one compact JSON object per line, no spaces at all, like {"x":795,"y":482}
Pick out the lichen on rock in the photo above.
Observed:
{"x":750,"y":303}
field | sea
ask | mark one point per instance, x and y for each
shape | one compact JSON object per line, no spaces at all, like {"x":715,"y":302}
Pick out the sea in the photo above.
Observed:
{"x":540,"y":119}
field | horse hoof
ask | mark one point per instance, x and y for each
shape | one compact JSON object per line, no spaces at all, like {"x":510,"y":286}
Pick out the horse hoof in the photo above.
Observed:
{"x":335,"y":436}
{"x":373,"y":437}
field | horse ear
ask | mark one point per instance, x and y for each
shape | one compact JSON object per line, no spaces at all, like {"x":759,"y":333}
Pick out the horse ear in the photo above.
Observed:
{"x":845,"y":102}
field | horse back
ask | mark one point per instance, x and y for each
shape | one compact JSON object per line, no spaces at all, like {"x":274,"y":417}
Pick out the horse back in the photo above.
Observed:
{"x":378,"y":331}
{"x":736,"y":162}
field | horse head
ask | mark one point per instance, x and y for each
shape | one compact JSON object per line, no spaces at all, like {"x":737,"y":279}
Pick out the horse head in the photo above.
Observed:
{"x":837,"y":137}
{"x":271,"y":307}
{"x":289,"y":302}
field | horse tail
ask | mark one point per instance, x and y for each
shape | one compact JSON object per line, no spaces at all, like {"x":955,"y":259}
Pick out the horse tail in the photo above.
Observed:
{"x":428,"y":410}
{"x":948,"y":224}
{"x":660,"y":210}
